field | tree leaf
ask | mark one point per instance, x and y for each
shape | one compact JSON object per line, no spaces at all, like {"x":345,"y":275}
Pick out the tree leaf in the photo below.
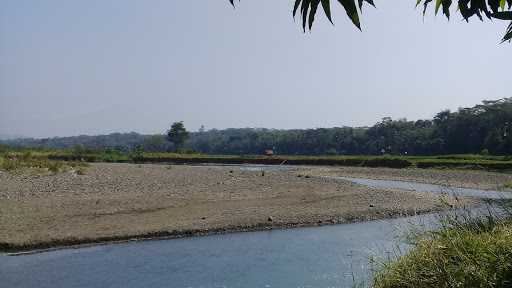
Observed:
{"x":326,"y":5}
{"x":446,"y":8}
{"x":304,"y":10}
{"x":508,"y":34}
{"x":425,"y":5}
{"x":494,"y":5}
{"x":438,"y":5}
{"x":351,"y":9}
{"x":296,"y":6}
{"x":312,"y":12}
{"x":502,"y":4}
{"x":368,"y":1}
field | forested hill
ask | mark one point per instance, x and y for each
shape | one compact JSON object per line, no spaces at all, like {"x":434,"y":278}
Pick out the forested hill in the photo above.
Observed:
{"x":484,"y":128}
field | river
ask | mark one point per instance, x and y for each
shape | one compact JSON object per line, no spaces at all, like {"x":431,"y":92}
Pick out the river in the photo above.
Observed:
{"x":327,"y":256}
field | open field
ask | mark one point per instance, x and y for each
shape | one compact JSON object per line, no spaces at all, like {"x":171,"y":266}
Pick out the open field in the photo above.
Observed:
{"x":123,"y":201}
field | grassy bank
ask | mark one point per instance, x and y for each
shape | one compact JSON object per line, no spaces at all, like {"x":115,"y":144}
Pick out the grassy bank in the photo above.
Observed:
{"x":468,"y":161}
{"x":457,"y":162}
{"x":39,"y":163}
{"x":464,"y":252}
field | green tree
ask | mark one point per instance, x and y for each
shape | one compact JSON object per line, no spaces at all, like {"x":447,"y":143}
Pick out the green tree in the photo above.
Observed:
{"x":137,"y":154}
{"x":155,"y":143}
{"x":491,"y":9}
{"x":177,"y":134}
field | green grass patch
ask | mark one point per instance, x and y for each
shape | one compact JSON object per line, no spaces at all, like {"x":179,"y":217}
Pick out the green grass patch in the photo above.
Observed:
{"x":476,"y":162}
{"x":464,"y":163}
{"x":28,"y":160}
{"x":462,"y":253}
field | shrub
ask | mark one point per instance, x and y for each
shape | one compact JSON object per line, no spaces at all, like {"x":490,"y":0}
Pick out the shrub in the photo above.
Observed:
{"x":53,"y":166}
{"x":112,"y":155}
{"x":137,"y":154}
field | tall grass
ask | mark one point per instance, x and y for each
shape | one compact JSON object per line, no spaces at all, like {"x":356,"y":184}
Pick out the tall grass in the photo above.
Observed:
{"x":466,"y":251}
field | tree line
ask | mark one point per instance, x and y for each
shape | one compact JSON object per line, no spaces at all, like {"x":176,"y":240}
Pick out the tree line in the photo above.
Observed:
{"x":482,"y":129}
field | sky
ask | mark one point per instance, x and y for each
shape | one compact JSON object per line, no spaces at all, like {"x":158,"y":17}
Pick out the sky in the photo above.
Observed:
{"x":71,"y":67}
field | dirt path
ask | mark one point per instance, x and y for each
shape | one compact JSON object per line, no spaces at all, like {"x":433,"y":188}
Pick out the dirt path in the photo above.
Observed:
{"x":123,"y":201}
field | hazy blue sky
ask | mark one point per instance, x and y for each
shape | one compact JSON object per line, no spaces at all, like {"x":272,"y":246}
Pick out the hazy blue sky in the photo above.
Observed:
{"x":89,"y":67}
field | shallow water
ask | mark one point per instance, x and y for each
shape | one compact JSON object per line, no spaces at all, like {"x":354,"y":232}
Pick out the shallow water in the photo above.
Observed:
{"x":328,"y":256}
{"x":421,"y":187}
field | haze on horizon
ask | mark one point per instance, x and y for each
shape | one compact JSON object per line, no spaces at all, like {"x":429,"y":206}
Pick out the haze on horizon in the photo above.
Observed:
{"x":96,"y":67}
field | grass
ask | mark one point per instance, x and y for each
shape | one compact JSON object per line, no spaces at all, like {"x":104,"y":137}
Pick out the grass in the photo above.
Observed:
{"x":464,"y":252}
{"x":28,"y":160}
{"x":463,"y":161}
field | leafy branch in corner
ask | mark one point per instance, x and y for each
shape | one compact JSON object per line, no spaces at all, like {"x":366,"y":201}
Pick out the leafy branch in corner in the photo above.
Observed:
{"x":490,"y":9}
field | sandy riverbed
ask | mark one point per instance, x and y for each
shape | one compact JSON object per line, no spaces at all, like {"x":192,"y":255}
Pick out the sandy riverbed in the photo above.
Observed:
{"x":450,"y":177}
{"x":122,"y":201}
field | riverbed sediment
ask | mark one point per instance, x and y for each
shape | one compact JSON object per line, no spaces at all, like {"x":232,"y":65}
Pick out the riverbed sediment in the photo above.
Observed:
{"x":123,"y":202}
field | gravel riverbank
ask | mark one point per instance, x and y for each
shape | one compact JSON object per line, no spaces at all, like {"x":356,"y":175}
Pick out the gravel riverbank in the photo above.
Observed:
{"x":474,"y":179}
{"x":125,"y":201}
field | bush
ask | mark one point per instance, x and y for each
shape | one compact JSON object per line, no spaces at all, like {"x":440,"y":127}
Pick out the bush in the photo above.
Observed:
{"x":112,"y":155}
{"x":137,"y":154}
{"x":54,"y":166}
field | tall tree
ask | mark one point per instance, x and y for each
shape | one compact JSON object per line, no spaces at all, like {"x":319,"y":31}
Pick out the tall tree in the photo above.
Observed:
{"x":177,"y":134}
{"x":491,"y":9}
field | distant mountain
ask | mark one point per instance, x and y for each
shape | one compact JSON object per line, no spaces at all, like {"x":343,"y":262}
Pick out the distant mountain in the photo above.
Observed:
{"x":10,"y":136}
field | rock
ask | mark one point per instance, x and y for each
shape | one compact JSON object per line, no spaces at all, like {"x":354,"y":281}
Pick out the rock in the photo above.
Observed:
{"x":371,"y":205}
{"x":203,"y":218}
{"x":270,"y":219}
